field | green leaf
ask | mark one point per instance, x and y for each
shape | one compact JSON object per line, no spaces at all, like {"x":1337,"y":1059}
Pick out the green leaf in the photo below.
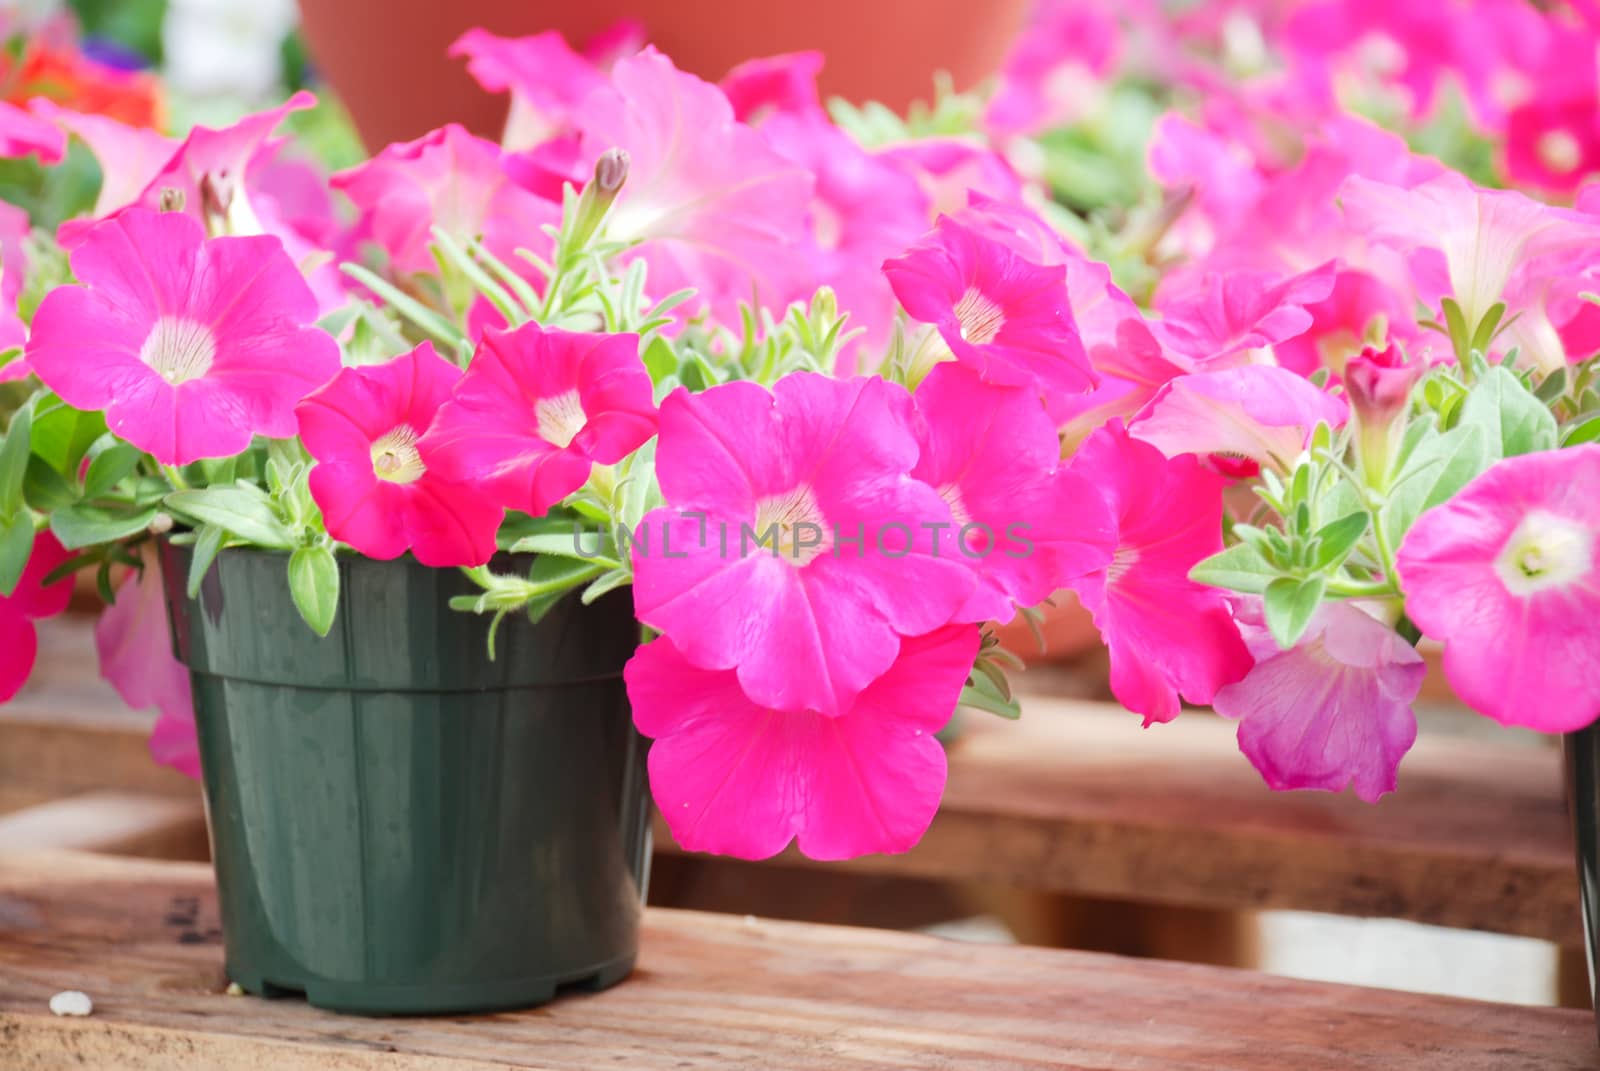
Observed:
{"x":1455,"y":324}
{"x":14,"y":461}
{"x":241,"y":510}
{"x":1585,"y":431}
{"x":607,"y":583}
{"x":16,"y":547}
{"x":1516,"y":421}
{"x":63,"y":435}
{"x":208,"y":542}
{"x":1487,"y":326}
{"x":1337,"y":539}
{"x":1439,"y":467}
{"x":109,"y":467}
{"x":314,"y":583}
{"x":45,"y":489}
{"x":1239,"y":568}
{"x":980,"y":693}
{"x":1289,"y":604}
{"x":590,"y":546}
{"x":82,"y":524}
{"x":1552,"y":386}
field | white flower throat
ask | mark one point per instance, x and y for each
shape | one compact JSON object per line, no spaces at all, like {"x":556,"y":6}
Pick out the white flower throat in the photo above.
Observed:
{"x":1545,"y":551}
{"x":395,"y":457}
{"x":179,"y":349}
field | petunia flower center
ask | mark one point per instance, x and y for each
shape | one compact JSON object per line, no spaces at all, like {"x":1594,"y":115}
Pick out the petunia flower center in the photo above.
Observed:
{"x":960,"y":515}
{"x":395,"y":457}
{"x":1559,"y":151}
{"x":560,"y":418}
{"x":179,"y":349}
{"x":1545,"y":551}
{"x":791,"y":526}
{"x":980,"y":316}
{"x":1124,"y":559}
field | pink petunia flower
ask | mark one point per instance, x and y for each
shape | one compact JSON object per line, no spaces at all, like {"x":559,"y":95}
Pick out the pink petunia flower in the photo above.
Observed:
{"x":1168,"y":635}
{"x":1007,"y":317}
{"x":537,"y":409}
{"x":795,"y":545}
{"x":545,"y":77}
{"x":31,"y":600}
{"x":950,"y":170}
{"x":1335,"y":710}
{"x":1226,"y":316}
{"x":129,"y":156}
{"x":133,"y":641}
{"x":738,"y":778}
{"x":712,"y":207}
{"x":24,"y":134}
{"x":1507,"y":577}
{"x":448,"y":179}
{"x":375,"y":491}
{"x":770,"y":86}
{"x":1029,"y":524}
{"x":191,"y":346}
{"x":1260,"y":412}
{"x":13,"y":272}
{"x":1058,"y":62}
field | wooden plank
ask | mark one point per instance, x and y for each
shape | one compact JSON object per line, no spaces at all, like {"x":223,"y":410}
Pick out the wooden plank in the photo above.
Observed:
{"x":715,"y":992}
{"x":114,"y":822}
{"x":1078,"y":798}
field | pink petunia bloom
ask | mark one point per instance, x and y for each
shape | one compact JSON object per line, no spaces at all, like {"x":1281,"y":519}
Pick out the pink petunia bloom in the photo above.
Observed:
{"x":536,"y":409}
{"x":1486,"y":239}
{"x":1227,"y":315}
{"x":711,"y":206}
{"x":795,"y":545}
{"x":736,"y":777}
{"x":769,"y":86}
{"x":992,"y":454}
{"x":1007,"y":317}
{"x":950,"y":170}
{"x":1054,"y":68}
{"x":129,"y":156}
{"x":1507,"y":577}
{"x":375,"y":491}
{"x":1168,"y":635}
{"x":191,"y":346}
{"x":31,"y":600}
{"x":1334,"y":711}
{"x":24,"y":134}
{"x":547,"y":80}
{"x":1260,"y":412}
{"x":133,"y":641}
{"x":13,"y":272}
{"x":1359,"y":309}
{"x":862,"y":211}
{"x":448,"y":179}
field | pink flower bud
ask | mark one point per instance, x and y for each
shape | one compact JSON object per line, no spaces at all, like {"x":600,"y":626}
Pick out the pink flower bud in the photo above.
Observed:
{"x":1379,"y":383}
{"x":611,"y":170}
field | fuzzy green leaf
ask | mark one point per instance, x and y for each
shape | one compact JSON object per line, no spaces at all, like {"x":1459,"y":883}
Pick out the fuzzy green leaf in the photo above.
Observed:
{"x":314,"y":583}
{"x":1289,"y":604}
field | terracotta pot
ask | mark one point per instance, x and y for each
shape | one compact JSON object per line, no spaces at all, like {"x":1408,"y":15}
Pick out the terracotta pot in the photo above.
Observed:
{"x":386,"y":58}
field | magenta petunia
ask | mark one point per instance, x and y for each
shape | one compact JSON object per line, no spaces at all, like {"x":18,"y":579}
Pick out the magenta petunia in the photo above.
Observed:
{"x":1027,"y":523}
{"x":736,"y":777}
{"x":25,"y":134}
{"x":448,"y":179}
{"x":1007,"y":317}
{"x":768,"y":86}
{"x":545,"y":77}
{"x":1055,"y":67}
{"x":1335,"y":711}
{"x":374,"y":490}
{"x":710,"y":204}
{"x":1259,"y":412}
{"x":1507,"y":577}
{"x":191,"y":346}
{"x":1169,"y":637}
{"x":795,"y":545}
{"x":133,"y":641}
{"x":13,"y":272}
{"x":1222,"y":317}
{"x":31,"y":600}
{"x":129,"y":156}
{"x":537,"y":408}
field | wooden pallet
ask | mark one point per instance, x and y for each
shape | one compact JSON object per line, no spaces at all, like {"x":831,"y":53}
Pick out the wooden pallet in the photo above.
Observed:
{"x":714,"y":991}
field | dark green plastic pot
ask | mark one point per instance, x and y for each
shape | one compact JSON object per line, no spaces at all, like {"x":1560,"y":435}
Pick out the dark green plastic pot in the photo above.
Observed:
{"x":399,"y":824}
{"x":1583,"y":800}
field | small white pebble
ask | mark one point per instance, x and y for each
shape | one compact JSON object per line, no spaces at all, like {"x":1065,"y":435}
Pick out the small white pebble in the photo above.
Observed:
{"x":71,"y":1002}
{"x":234,"y":989}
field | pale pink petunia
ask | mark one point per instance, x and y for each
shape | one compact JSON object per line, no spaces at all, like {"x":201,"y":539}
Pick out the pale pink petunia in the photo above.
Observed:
{"x":191,"y":346}
{"x":950,"y":170}
{"x":1260,"y":412}
{"x":785,"y":84}
{"x":129,"y":156}
{"x":133,"y":641}
{"x":13,"y":272}
{"x":1485,"y":238}
{"x":1056,"y":64}
{"x":1225,"y":317}
{"x":1332,"y":712}
{"x":1169,"y":636}
{"x":795,"y":545}
{"x":375,"y":491}
{"x":1359,"y":309}
{"x":1507,"y":577}
{"x":549,"y":167}
{"x":31,"y":600}
{"x":1007,"y":317}
{"x":735,"y":777}
{"x":710,"y":204}
{"x":546,"y":78}
{"x":448,"y":179}
{"x":536,"y":409}
{"x":1027,"y":523}
{"x":25,"y":134}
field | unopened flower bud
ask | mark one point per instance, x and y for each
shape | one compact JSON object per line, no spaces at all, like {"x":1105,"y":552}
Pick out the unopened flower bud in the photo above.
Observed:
{"x":1379,"y":384}
{"x":611,"y":170}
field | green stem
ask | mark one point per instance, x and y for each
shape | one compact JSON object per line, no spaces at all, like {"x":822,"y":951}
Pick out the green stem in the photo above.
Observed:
{"x":175,"y":477}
